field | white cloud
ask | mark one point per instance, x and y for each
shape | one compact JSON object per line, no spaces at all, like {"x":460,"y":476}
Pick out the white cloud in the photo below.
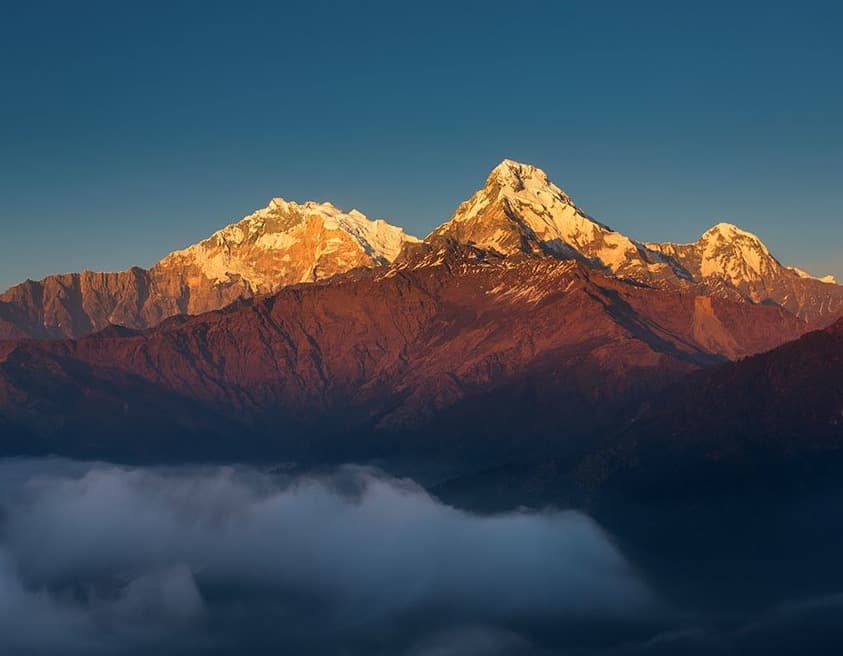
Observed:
{"x":115,"y":558}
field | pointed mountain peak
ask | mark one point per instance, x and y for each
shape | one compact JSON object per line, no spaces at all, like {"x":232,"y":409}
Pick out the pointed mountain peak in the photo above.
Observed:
{"x":516,"y":174}
{"x":732,"y":262}
{"x":278,"y":203}
{"x":512,"y":178}
{"x":731,"y":253}
{"x":520,"y":211}
{"x":516,"y":211}
{"x":729,"y":231}
{"x":512,"y":188}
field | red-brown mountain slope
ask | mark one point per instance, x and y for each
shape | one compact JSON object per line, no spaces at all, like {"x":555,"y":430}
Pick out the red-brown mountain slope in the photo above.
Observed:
{"x":386,"y":350}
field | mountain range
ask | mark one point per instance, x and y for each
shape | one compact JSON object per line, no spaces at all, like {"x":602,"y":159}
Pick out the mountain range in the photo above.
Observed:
{"x":520,"y":328}
{"x":519,"y":211}
{"x":281,"y":244}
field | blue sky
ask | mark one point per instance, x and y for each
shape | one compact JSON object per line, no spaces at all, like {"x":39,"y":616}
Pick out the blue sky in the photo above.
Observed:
{"x":128,"y":130}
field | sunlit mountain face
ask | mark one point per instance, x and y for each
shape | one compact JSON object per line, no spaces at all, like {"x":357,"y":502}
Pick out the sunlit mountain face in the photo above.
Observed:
{"x":526,"y":433}
{"x":332,"y":334}
{"x":519,"y":213}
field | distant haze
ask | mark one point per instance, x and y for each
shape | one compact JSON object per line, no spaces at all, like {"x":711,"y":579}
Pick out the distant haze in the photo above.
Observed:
{"x":129,"y":131}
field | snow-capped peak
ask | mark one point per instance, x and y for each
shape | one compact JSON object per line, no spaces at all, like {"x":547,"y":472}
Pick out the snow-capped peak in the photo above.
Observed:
{"x":730,"y":231}
{"x":831,"y":280}
{"x":519,"y":210}
{"x":733,"y":262}
{"x":288,"y":242}
{"x":377,"y":238}
{"x":525,"y":181}
{"x":730,"y":252}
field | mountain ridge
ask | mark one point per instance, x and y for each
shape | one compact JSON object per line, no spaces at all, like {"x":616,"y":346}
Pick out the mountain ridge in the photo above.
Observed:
{"x":381,"y":352}
{"x":284,"y":243}
{"x":729,"y":261}
{"x":517,"y":213}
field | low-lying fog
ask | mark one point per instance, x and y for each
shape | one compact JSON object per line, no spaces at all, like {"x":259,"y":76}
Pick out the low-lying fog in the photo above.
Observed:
{"x":97,"y":558}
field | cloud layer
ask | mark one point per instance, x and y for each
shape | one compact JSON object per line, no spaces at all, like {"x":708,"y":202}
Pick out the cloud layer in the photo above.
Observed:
{"x":96,"y":557}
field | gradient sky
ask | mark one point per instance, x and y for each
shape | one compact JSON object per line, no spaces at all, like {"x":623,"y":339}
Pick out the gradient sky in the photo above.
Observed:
{"x":130,"y":129}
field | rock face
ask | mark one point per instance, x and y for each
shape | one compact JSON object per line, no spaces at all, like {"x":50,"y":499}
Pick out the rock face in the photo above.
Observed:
{"x":282,"y":244}
{"x":472,"y":348}
{"x":75,"y":304}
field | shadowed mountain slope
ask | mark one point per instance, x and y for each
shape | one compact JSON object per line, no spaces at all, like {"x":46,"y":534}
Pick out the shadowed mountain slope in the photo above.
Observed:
{"x":386,"y":351}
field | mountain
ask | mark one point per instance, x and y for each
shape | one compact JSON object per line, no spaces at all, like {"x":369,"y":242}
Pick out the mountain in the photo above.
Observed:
{"x":520,"y":212}
{"x":831,"y":280}
{"x":730,"y":262}
{"x":773,"y":421}
{"x":450,"y":356}
{"x":282,"y":244}
{"x":769,"y":425}
{"x":519,"y":313}
{"x":732,"y":474}
{"x":782,"y":404}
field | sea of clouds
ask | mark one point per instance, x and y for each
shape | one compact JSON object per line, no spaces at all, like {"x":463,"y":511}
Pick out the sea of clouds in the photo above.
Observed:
{"x":104,"y":559}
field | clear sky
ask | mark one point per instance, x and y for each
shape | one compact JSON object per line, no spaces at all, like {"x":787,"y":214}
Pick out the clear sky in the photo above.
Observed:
{"x":130,"y":129}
